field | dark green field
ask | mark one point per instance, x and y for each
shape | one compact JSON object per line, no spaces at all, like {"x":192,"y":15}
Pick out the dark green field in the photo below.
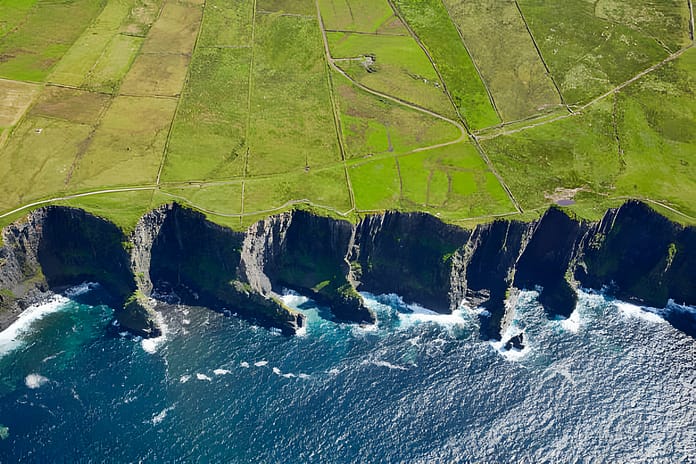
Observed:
{"x":469,"y":110}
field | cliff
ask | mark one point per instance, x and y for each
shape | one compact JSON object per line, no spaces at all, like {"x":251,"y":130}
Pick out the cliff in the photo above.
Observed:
{"x":634,"y":252}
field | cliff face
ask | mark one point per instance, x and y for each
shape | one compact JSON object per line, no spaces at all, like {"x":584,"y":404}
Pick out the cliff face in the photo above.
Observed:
{"x":201,"y":261}
{"x":633,"y":251}
{"x":407,"y":254}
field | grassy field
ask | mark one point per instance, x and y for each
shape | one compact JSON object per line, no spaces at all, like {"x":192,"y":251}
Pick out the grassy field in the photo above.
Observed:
{"x":105,"y":51}
{"x":289,"y":79}
{"x":399,"y":68}
{"x":124,"y":150}
{"x":37,"y":37}
{"x":360,"y":16}
{"x":638,"y":143}
{"x":432,"y":24}
{"x":496,"y":35}
{"x":234,"y":109}
{"x":374,"y":126}
{"x":588,"y":60}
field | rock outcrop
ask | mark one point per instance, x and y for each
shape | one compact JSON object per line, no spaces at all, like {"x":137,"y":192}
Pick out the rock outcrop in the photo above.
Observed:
{"x":633,"y":252}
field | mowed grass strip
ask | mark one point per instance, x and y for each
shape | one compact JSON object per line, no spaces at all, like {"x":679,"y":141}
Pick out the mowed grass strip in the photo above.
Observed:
{"x":589,"y":54}
{"x":495,"y":33}
{"x":122,"y":208}
{"x":156,"y":75}
{"x":31,"y":49}
{"x":360,"y":15}
{"x":101,"y":55}
{"x":373,"y":126}
{"x":175,"y":30}
{"x":125,"y":150}
{"x":291,"y":121}
{"x":431,"y":22}
{"x":397,"y":67}
{"x":224,"y":199}
{"x":208,"y":134}
{"x":160,"y":70}
{"x":15,"y":98}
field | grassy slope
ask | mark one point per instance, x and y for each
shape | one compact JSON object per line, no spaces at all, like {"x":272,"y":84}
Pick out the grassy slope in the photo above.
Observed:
{"x":591,"y":49}
{"x":639,"y":143}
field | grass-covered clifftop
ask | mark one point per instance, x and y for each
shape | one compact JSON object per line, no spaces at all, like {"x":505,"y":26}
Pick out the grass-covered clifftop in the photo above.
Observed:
{"x":348,"y":108}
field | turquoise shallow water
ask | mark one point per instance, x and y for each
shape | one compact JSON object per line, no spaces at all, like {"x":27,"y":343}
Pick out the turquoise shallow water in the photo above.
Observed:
{"x":614,"y":384}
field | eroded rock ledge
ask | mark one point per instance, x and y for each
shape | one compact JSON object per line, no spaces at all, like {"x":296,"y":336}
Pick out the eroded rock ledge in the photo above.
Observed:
{"x":636,"y":253}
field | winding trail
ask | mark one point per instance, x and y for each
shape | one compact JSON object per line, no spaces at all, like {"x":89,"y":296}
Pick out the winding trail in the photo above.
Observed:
{"x":76,"y":195}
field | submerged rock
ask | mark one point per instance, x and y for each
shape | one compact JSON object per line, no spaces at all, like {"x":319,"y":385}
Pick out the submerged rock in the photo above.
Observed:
{"x":517,"y":342}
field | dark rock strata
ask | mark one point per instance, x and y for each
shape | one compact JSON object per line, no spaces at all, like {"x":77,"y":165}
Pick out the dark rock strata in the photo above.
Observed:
{"x":634,"y":252}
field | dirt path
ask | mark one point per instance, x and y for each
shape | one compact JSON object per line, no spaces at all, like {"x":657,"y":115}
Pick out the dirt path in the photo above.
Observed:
{"x":76,"y":195}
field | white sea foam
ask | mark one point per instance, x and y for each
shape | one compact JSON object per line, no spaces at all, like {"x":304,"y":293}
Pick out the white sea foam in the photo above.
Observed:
{"x":513,"y":354}
{"x":387,"y":364}
{"x":412,"y":314}
{"x":81,"y":289}
{"x":304,"y":376}
{"x":184,"y":378}
{"x":34,"y":381}
{"x":260,"y":363}
{"x":289,"y":375}
{"x":157,"y":418}
{"x":151,"y":345}
{"x":293,"y":299}
{"x":302,"y":331}
{"x":200,"y":376}
{"x":421,"y":315}
{"x":221,"y":372}
{"x":631,"y":310}
{"x":572,"y":324}
{"x":185,"y":321}
{"x":244,"y":364}
{"x":334,"y":371}
{"x":10,"y":338}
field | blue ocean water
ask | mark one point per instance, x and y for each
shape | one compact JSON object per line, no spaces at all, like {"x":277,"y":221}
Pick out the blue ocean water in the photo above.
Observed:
{"x":612,"y":384}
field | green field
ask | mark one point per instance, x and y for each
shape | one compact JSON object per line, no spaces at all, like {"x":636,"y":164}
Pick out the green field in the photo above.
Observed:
{"x":610,"y":47}
{"x":431,"y":22}
{"x":248,"y":108}
{"x":496,"y":35}
{"x":399,"y":68}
